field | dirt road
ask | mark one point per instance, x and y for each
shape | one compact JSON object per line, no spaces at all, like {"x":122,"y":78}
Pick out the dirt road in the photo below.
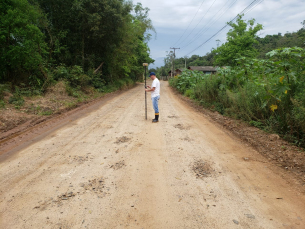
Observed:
{"x":111,"y":168}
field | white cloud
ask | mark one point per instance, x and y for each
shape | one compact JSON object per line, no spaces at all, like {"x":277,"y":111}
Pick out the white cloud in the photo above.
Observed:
{"x":171,"y":18}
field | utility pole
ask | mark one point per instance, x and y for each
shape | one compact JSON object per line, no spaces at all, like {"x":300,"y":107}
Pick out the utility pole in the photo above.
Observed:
{"x":174,"y":58}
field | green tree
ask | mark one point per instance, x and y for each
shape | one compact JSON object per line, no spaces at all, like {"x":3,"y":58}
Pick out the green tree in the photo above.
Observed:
{"x":22,"y":43}
{"x":93,"y":33}
{"x":133,"y":50}
{"x":240,"y":43}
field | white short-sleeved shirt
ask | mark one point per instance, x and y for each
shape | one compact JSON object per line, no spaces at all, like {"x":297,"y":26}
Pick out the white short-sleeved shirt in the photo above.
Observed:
{"x":156,"y":84}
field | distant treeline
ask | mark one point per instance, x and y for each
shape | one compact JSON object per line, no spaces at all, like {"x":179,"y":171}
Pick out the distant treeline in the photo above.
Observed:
{"x":264,"y":45}
{"x":45,"y":39}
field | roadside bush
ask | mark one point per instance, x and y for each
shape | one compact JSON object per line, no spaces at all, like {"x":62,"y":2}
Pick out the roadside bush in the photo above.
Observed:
{"x":122,"y":83}
{"x":119,"y":84}
{"x":61,"y":72}
{"x":208,"y":89}
{"x":74,"y":76}
{"x":2,"y":104}
{"x":268,"y":94}
{"x":247,"y":103}
{"x":77,"y":77}
{"x":298,"y":115}
{"x":129,"y":81}
{"x":73,"y":91}
{"x":3,"y":89}
{"x":97,"y":82}
{"x":28,"y":91}
{"x":173,"y":82}
{"x":17,"y":98}
{"x":190,"y":93}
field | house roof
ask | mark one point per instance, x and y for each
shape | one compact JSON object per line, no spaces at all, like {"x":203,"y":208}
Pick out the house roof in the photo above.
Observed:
{"x":202,"y":68}
{"x":178,"y":69}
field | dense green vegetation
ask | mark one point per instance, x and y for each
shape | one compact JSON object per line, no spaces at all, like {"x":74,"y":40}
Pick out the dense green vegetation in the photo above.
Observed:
{"x":258,"y":48}
{"x":87,"y":43}
{"x":271,"y":42}
{"x":268,"y":93}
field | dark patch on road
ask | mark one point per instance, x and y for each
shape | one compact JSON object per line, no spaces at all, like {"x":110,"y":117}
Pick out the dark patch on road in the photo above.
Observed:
{"x":118,"y":165}
{"x":202,"y":169}
{"x":172,"y":116}
{"x":182,"y":127}
{"x":122,"y":140}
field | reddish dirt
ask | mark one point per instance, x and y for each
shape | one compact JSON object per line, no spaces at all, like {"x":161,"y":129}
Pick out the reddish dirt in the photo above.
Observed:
{"x":35,"y":109}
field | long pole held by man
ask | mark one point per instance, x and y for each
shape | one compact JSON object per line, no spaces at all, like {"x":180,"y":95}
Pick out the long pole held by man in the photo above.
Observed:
{"x":145,"y":65}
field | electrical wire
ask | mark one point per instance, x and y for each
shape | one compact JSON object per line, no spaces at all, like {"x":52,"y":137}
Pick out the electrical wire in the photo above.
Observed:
{"x":189,"y":24}
{"x":198,"y":23}
{"x":202,"y":30}
{"x":246,"y":10}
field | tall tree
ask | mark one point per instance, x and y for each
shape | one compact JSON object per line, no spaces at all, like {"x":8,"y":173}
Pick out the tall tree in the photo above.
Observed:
{"x":22,"y":43}
{"x":240,"y":41}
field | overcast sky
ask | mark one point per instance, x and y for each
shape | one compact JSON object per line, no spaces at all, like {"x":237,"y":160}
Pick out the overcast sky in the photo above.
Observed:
{"x":187,"y":24}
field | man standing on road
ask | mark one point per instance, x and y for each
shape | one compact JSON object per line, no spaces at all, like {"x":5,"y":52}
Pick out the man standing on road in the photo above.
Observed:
{"x":155,"y":94}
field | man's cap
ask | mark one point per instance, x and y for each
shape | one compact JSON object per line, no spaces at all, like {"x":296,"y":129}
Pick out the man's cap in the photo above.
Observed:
{"x":152,"y":74}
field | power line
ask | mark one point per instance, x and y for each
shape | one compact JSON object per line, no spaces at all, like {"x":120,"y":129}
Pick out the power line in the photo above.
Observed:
{"x":205,"y":28}
{"x":190,"y":23}
{"x":246,"y":10}
{"x":198,"y":23}
{"x":200,"y":31}
{"x":260,"y":1}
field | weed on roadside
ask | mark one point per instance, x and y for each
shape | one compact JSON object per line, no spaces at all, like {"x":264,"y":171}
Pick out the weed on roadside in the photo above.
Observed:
{"x":16,"y":99}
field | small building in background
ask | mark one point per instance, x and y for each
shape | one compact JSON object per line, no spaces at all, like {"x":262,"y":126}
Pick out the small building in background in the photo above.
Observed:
{"x":178,"y":71}
{"x":204,"y":69}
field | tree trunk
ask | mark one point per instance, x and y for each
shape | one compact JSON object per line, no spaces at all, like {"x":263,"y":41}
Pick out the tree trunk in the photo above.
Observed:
{"x":95,"y":71}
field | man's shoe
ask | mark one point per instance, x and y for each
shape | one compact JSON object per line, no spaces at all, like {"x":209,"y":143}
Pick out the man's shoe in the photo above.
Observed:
{"x":155,"y":120}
